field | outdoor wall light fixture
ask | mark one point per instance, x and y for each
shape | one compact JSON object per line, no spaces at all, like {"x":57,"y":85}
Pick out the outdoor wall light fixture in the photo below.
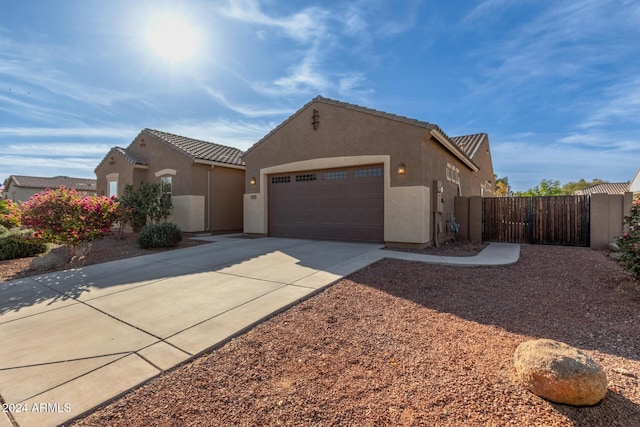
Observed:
{"x":401,"y":169}
{"x":252,"y":181}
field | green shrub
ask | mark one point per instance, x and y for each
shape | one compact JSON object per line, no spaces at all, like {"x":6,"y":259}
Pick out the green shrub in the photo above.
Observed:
{"x":629,"y":242}
{"x":19,"y":244}
{"x":145,"y":205}
{"x":9,"y":214}
{"x":159,"y":235}
{"x":3,"y":229}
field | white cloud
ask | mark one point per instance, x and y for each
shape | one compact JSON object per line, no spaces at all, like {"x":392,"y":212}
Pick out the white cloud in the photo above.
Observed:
{"x":81,"y":132}
{"x":57,"y":149}
{"x":301,"y":26}
{"x":620,"y":103}
{"x":238,"y":134}
{"x":488,"y":8}
{"x":249,"y":111}
{"x":79,"y":167}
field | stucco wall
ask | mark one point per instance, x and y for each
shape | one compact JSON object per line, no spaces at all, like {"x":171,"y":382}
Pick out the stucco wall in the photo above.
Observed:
{"x":226,"y":198}
{"x":341,"y":132}
{"x":188,"y":213}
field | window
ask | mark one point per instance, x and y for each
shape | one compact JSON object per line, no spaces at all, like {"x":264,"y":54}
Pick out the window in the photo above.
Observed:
{"x":453,"y":174}
{"x":334,"y":175}
{"x":113,"y":188}
{"x":166,"y":186}
{"x":280,"y":179}
{"x":306,"y":177}
{"x":362,"y":173}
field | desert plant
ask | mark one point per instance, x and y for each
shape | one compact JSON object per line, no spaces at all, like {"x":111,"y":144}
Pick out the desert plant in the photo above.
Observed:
{"x":18,"y":243}
{"x":145,"y":205}
{"x":66,"y":217}
{"x":9,"y":214}
{"x":629,"y":242}
{"x":159,"y":235}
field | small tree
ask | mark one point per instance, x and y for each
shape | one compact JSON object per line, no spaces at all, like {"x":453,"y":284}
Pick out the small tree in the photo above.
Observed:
{"x":629,"y":242}
{"x":145,"y":205}
{"x":63,"y":216}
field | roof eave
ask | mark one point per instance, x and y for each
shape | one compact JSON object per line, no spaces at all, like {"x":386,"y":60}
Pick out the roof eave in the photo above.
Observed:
{"x":221,"y":164}
{"x":453,"y":149}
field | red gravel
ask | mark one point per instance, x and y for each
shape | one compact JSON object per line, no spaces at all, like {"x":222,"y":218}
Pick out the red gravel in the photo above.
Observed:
{"x":403,"y":343}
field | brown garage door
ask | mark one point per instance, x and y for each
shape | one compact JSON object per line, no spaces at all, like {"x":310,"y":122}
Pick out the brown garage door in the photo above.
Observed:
{"x":333,"y":204}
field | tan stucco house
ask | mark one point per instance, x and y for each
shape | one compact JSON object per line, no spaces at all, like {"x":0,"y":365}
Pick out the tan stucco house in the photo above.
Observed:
{"x":335,"y":170}
{"x":634,"y":185}
{"x":205,"y":180}
{"x":20,"y":188}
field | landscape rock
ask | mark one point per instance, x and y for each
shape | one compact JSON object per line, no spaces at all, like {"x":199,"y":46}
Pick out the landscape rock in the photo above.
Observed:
{"x":560,"y":373}
{"x":613,"y":247}
{"x":55,"y":258}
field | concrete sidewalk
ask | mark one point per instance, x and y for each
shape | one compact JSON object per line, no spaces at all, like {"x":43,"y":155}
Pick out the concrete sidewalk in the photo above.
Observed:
{"x":74,"y":339}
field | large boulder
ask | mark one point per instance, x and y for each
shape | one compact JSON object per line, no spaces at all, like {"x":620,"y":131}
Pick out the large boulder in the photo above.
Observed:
{"x":560,"y":373}
{"x":55,"y":258}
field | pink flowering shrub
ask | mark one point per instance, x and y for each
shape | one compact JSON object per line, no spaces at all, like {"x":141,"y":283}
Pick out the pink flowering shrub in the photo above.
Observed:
{"x":66,"y":217}
{"x":9,"y":214}
{"x":629,"y":242}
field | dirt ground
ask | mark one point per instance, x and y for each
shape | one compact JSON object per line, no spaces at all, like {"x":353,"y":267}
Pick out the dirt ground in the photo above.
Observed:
{"x":406,"y":343}
{"x":109,"y":248}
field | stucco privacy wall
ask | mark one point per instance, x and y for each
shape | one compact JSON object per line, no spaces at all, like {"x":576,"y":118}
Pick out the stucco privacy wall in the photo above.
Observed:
{"x":405,"y":208}
{"x":188,"y":212}
{"x":607,"y":217}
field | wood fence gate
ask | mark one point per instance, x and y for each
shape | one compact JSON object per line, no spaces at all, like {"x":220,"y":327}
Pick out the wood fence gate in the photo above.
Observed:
{"x":552,"y":220}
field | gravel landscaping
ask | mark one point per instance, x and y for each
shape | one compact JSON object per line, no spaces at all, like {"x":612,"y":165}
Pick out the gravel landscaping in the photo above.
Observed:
{"x":406,"y":343}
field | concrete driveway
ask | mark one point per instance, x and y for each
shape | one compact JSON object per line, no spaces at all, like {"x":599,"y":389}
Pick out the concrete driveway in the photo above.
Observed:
{"x":74,"y":339}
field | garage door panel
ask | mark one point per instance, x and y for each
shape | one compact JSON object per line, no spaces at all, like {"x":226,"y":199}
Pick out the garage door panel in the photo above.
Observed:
{"x":340,"y":204}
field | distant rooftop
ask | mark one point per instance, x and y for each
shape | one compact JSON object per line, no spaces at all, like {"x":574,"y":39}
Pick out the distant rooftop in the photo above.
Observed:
{"x":80,"y":184}
{"x":606,"y":188}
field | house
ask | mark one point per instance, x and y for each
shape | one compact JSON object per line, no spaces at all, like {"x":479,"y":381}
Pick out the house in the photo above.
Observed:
{"x":204,"y":180}
{"x":634,"y":185}
{"x":340,"y":171}
{"x":20,"y":188}
{"x":605,"y":188}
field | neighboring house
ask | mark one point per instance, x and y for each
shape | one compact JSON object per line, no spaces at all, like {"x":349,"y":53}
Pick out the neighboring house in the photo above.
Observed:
{"x":205,"y":180}
{"x":21,"y":188}
{"x":606,"y":188}
{"x":340,"y":171}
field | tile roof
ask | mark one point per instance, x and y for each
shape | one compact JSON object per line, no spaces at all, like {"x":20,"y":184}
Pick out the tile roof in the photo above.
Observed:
{"x":468,"y":145}
{"x":199,"y":150}
{"x":607,"y":188}
{"x":80,"y":184}
{"x":129,"y":156}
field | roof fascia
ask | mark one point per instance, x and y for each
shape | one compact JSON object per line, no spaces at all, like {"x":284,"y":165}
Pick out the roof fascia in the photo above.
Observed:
{"x":214,"y":163}
{"x":453,"y":149}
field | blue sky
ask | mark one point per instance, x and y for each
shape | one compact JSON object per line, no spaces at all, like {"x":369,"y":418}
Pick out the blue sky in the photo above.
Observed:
{"x":555,"y":84}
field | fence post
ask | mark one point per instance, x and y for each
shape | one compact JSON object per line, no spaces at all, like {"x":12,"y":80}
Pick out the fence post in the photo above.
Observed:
{"x":475,"y":218}
{"x":607,"y":217}
{"x":461,"y":213}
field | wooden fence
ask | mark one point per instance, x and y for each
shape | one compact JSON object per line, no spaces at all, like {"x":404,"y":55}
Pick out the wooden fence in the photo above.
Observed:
{"x":554,"y":220}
